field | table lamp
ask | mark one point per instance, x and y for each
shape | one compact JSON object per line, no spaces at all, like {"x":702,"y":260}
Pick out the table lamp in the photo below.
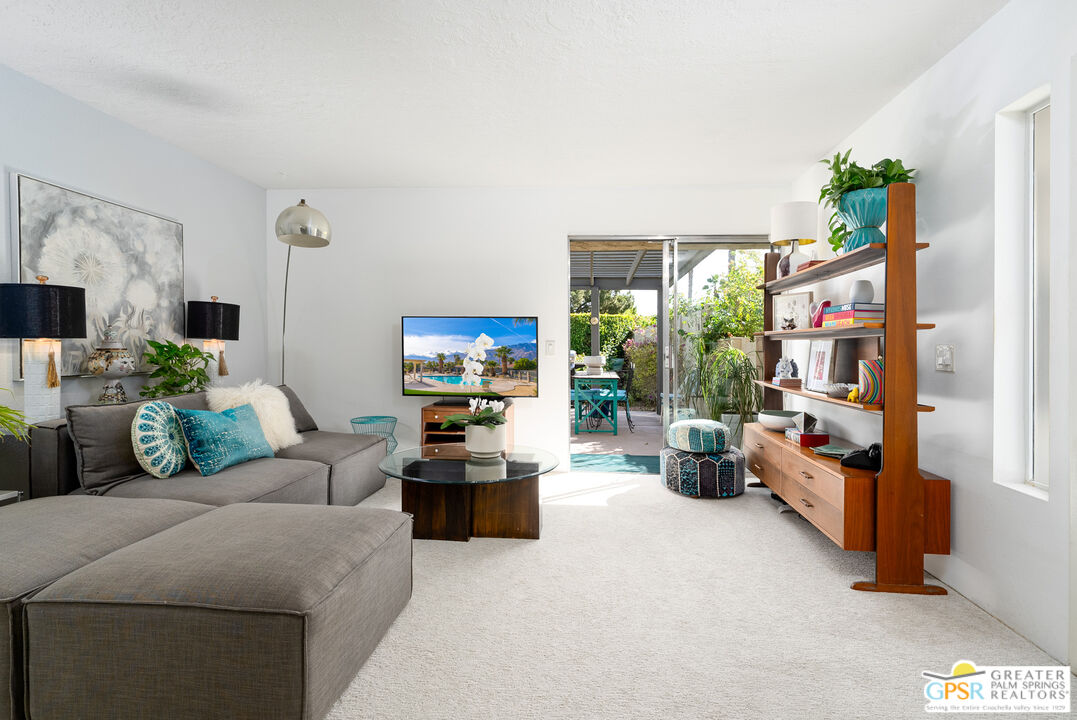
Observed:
{"x":41,"y":315}
{"x":793,"y":224}
{"x":213,"y":322}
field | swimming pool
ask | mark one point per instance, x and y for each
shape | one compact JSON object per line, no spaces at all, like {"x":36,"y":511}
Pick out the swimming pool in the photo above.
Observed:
{"x":453,"y":379}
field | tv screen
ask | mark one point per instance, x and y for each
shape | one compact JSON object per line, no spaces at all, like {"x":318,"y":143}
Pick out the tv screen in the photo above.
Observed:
{"x":470,"y":356}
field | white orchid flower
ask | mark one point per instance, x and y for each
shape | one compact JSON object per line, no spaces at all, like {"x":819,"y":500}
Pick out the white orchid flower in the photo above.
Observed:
{"x":473,"y":403}
{"x":484,"y":342}
{"x":497,"y":405}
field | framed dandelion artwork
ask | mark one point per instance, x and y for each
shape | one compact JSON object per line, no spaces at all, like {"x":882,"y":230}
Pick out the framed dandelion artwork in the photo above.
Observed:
{"x":129,"y":261}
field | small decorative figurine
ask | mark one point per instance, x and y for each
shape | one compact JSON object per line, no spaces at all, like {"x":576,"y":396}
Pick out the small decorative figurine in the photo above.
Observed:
{"x":112,"y":361}
{"x":787,"y":368}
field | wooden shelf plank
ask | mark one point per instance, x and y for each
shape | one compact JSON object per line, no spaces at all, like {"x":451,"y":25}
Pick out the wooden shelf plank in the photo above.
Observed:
{"x":858,"y":259}
{"x":833,"y":401}
{"x":851,"y":331}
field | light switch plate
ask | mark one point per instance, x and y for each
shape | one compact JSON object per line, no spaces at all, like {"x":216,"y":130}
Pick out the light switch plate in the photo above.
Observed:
{"x":550,"y":347}
{"x":944,"y":358}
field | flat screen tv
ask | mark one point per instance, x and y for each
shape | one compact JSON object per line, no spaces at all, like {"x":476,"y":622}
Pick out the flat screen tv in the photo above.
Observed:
{"x":470,"y":356}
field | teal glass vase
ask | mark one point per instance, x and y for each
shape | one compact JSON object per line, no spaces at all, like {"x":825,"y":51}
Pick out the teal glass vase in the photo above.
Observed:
{"x":863,"y":212}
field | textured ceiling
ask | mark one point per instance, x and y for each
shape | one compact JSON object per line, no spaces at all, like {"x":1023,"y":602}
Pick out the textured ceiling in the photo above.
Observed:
{"x":353,"y":93}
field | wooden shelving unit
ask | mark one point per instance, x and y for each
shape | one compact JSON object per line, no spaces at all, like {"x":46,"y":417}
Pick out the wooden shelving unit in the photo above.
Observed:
{"x":899,"y":488}
{"x":860,"y":330}
{"x":821,"y":397}
{"x":865,"y":257}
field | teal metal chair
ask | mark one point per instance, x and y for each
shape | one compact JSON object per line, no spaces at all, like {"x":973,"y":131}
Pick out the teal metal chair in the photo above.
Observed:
{"x":595,"y":400}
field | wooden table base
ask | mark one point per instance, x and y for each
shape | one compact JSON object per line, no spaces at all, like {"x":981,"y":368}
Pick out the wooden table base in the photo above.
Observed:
{"x":445,"y":511}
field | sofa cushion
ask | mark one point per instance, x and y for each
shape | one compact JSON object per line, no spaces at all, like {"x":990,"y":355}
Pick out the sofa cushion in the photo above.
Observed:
{"x":268,"y":480}
{"x":157,"y":439}
{"x":102,"y":437}
{"x":303,"y":421}
{"x":217,"y":440}
{"x":250,"y":611}
{"x":47,"y":538}
{"x":269,"y":403}
{"x":353,"y":461}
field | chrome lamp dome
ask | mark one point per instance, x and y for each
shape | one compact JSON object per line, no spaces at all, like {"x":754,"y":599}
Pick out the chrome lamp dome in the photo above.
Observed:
{"x":303,"y":226}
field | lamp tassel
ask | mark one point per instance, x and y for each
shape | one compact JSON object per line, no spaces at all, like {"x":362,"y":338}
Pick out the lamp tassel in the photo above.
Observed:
{"x":52,"y":378}
{"x":222,"y":366}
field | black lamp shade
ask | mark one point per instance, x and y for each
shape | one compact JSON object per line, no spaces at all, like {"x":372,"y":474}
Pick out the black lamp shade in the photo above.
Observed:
{"x":212,"y":320}
{"x":29,"y":310}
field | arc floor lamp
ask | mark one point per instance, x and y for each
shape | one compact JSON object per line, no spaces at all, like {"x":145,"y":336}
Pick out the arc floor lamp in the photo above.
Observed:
{"x":298,"y":226}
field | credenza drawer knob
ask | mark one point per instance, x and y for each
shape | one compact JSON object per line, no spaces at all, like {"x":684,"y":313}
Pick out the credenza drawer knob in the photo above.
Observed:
{"x":806,"y":475}
{"x":806,"y":503}
{"x":759,"y":445}
{"x":756,"y":467}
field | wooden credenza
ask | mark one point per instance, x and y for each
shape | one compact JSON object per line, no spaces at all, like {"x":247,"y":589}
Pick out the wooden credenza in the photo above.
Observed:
{"x":434,"y":415}
{"x":840,"y":501}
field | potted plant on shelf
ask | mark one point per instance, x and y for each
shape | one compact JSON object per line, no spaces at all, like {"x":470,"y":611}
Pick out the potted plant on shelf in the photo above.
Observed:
{"x":13,"y":422}
{"x":484,"y":427}
{"x":180,"y":369}
{"x":730,"y":391}
{"x":858,"y":196}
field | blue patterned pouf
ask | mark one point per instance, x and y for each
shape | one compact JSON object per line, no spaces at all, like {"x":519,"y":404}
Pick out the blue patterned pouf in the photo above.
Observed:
{"x":710,"y":475}
{"x":698,"y":435}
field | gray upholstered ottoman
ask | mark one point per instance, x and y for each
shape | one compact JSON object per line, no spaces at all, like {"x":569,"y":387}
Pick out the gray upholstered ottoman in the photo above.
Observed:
{"x":47,"y":538}
{"x":249,"y":611}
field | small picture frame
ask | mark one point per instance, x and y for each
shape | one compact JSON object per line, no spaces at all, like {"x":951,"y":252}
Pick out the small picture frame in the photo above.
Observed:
{"x":820,"y":371}
{"x":792,"y":311}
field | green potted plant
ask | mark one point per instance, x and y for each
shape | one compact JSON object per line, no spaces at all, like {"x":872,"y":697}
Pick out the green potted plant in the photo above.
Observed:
{"x":13,"y":422}
{"x":180,"y":369}
{"x":858,"y":196}
{"x":484,"y":427}
{"x":729,"y":389}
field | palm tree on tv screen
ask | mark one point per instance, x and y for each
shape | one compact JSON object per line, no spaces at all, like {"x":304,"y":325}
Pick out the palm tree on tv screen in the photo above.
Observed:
{"x":441,"y":362}
{"x":504,"y":353}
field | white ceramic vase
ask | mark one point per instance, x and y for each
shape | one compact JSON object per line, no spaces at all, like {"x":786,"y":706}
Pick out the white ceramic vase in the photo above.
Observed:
{"x":862,"y":291}
{"x":484,"y":441}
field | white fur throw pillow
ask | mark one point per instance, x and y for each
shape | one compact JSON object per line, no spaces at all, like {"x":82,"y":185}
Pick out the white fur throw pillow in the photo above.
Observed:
{"x":270,"y":405}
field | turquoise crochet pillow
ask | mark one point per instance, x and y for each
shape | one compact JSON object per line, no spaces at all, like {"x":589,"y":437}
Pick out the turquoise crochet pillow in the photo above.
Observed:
{"x":219,"y":440}
{"x":157,"y":439}
{"x":698,"y":435}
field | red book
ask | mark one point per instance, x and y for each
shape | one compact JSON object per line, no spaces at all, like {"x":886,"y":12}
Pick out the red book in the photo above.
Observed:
{"x":804,"y":439}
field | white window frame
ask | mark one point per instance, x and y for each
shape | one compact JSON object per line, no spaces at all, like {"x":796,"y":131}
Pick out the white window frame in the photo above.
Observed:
{"x":1021,"y":303}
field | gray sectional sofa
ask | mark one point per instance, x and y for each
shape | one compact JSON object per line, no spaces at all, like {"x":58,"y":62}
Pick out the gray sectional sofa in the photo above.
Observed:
{"x":220,"y":598}
{"x":90,"y":452}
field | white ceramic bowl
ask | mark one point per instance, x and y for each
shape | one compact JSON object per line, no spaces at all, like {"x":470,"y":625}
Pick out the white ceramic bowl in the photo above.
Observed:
{"x":777,"y":419}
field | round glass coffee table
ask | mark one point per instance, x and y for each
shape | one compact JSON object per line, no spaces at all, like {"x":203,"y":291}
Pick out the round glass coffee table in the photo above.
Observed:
{"x":452,"y":496}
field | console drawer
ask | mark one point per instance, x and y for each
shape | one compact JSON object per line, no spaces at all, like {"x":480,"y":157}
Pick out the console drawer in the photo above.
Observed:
{"x":760,"y":445}
{"x":830,"y":488}
{"x":822,"y":514}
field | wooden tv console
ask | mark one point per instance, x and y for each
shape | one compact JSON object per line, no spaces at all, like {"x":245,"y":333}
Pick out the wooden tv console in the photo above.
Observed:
{"x":840,"y":501}
{"x":434,"y":415}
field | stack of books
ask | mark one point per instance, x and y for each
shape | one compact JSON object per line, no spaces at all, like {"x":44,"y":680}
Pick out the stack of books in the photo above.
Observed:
{"x":788,"y":382}
{"x":803,"y":439}
{"x":853,"y":314}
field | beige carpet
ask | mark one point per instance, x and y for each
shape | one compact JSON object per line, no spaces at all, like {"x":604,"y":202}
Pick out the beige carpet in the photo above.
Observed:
{"x":638,"y":603}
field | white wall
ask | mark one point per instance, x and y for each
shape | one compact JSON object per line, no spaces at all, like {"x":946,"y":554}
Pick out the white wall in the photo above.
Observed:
{"x":56,"y":138}
{"x":457,"y":252}
{"x":1009,"y":550}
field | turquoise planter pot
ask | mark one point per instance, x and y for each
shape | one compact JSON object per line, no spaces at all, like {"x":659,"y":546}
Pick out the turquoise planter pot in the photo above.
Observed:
{"x":863,"y":212}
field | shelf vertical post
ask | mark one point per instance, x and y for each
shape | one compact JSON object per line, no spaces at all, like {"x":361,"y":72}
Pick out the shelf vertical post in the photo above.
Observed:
{"x":899,"y":489}
{"x":772,"y":348}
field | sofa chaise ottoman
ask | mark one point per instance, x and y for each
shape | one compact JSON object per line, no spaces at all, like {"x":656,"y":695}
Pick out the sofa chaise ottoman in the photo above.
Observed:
{"x":90,"y":452}
{"x":45,"y":539}
{"x":256,"y":611}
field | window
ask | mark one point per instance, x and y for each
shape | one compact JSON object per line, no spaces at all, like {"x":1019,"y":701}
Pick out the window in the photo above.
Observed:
{"x":1039,"y":181}
{"x":1022,"y":293}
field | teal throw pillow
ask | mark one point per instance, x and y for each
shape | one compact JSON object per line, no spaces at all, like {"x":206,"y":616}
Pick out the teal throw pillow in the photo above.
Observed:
{"x":157,"y":439}
{"x":219,"y":440}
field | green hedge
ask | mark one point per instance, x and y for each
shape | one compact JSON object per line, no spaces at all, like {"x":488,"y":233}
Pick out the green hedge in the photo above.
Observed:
{"x":644,"y":359}
{"x":613,"y":331}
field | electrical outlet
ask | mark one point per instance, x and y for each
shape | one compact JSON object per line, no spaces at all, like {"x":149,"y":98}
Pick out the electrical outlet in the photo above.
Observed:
{"x":944,"y":358}
{"x":550,"y":347}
